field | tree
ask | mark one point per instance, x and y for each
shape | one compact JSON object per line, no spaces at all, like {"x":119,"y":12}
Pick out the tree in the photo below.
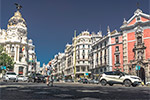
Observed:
{"x":6,"y":60}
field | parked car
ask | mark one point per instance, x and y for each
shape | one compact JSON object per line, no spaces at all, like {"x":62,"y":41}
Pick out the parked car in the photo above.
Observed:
{"x":10,"y":76}
{"x":22,"y":78}
{"x":80,"y":80}
{"x":148,"y":83}
{"x":85,"y":81}
{"x":36,"y":78}
{"x":93,"y":81}
{"x":69,"y":80}
{"x":118,"y":77}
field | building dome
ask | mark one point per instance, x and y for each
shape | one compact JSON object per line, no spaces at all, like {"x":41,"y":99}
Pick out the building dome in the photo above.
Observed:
{"x":17,"y":18}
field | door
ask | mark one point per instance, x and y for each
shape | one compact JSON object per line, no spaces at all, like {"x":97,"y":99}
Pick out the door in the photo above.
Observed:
{"x":142,"y":74}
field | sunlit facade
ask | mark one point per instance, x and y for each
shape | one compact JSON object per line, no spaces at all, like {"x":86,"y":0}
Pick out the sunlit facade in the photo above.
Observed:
{"x":16,"y":44}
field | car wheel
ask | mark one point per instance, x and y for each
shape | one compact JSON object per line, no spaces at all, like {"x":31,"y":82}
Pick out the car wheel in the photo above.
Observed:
{"x":111,"y":84}
{"x":103,"y":82}
{"x":127,"y":83}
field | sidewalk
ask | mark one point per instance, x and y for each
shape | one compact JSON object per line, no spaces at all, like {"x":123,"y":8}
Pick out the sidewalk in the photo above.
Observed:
{"x":96,"y":84}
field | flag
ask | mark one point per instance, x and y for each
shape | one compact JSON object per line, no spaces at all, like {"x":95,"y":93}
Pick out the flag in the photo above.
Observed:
{"x":23,"y":48}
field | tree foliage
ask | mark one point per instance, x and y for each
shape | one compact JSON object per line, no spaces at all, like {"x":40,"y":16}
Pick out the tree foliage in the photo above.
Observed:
{"x":5,"y":60}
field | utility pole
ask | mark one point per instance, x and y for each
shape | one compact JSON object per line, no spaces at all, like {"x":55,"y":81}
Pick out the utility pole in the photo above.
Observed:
{"x":74,"y":55}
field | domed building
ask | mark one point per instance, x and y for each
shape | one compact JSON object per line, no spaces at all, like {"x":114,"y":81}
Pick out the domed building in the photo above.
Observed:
{"x":15,"y":41}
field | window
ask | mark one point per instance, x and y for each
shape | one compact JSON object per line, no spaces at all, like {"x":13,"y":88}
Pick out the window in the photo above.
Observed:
{"x":97,"y":58}
{"x":117,"y":48}
{"x":101,"y":45}
{"x":101,"y":70}
{"x":83,"y":56}
{"x":20,"y":50}
{"x":109,"y":73}
{"x":83,"y":69}
{"x":117,"y":59}
{"x":105,"y":43}
{"x":138,"y":18}
{"x":105,"y":56}
{"x":117,"y":73}
{"x":83,"y":46}
{"x":101,"y":58}
{"x":78,"y":69}
{"x":139,"y":40}
{"x":87,"y":68}
{"x":117,"y":40}
{"x":20,"y":70}
{"x":83,"y":53}
{"x":12,"y":49}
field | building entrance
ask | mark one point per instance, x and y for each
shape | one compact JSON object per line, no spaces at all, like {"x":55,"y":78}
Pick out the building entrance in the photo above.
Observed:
{"x":142,"y":74}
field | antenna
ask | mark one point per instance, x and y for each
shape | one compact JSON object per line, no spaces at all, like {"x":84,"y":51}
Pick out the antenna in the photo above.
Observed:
{"x":138,"y":5}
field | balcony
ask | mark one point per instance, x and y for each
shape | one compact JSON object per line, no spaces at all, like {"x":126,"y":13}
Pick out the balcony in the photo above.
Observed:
{"x":139,"y":46}
{"x":117,"y":64}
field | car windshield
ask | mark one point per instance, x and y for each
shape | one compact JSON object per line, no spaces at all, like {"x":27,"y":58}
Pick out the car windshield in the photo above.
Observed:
{"x":11,"y":73}
{"x":125,"y":73}
{"x":20,"y":76}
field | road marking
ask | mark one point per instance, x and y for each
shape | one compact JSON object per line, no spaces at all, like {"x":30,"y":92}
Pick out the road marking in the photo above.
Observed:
{"x":88,"y":98}
{"x":1,"y":86}
{"x":42,"y":92}
{"x":63,"y":95}
{"x":25,"y":90}
{"x":11,"y":88}
{"x":88,"y":90}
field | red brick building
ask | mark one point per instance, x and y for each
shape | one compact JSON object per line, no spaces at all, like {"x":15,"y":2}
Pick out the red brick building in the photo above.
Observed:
{"x":136,"y":44}
{"x":117,"y":51}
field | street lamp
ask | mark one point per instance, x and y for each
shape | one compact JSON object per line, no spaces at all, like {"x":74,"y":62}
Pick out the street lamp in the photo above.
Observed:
{"x":74,"y":55}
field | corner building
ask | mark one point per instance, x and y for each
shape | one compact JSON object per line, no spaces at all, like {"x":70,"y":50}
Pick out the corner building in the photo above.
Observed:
{"x":17,"y":45}
{"x":136,"y":45}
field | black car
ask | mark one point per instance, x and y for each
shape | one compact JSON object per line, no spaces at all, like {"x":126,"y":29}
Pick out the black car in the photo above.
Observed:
{"x":36,"y":78}
{"x":85,"y":81}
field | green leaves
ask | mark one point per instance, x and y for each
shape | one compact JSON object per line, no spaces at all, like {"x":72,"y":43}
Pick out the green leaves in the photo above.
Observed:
{"x":5,"y":60}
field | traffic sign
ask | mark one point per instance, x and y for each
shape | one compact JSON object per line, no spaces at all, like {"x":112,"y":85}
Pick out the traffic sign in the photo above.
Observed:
{"x":138,"y":67}
{"x":3,"y":67}
{"x":86,"y":74}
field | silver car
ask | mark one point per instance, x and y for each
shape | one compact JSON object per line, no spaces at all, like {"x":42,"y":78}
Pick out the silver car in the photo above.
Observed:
{"x":118,"y":77}
{"x":10,"y":76}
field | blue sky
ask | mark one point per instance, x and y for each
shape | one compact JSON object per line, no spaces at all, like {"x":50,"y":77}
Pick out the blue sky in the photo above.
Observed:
{"x":51,"y":23}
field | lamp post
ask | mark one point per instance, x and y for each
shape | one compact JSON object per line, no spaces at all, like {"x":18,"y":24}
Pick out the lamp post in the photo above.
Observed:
{"x":74,"y":55}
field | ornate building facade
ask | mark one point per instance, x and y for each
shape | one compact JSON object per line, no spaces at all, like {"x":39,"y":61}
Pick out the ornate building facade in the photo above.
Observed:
{"x":127,"y":50}
{"x":15,"y":41}
{"x":75,"y":55}
{"x":136,"y":44}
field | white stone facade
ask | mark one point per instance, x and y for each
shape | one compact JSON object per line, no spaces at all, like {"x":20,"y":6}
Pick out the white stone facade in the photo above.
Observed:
{"x":15,"y":41}
{"x":64,"y":62}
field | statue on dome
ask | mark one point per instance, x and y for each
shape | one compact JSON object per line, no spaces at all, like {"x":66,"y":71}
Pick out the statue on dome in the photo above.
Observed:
{"x":18,"y":6}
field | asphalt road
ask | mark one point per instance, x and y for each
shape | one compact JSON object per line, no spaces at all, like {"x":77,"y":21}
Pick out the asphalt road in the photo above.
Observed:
{"x":69,"y":91}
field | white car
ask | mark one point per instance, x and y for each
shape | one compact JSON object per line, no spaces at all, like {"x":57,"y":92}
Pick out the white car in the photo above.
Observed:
{"x":22,"y":78}
{"x":10,"y":76}
{"x":117,"y":77}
